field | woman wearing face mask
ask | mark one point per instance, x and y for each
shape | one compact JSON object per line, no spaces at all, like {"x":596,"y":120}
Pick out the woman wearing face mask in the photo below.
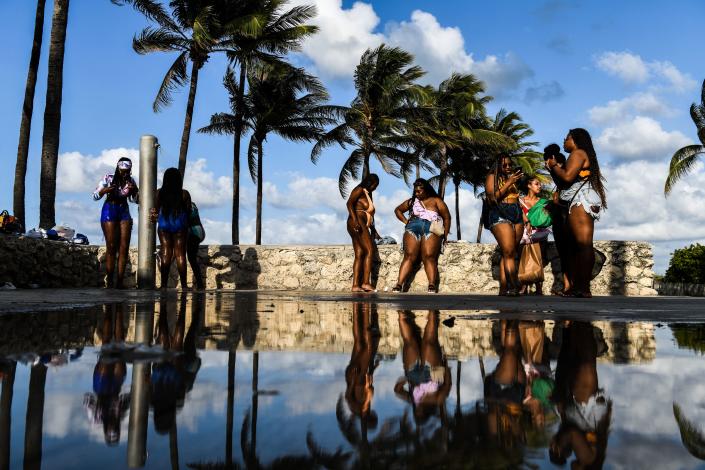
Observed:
{"x":115,"y":218}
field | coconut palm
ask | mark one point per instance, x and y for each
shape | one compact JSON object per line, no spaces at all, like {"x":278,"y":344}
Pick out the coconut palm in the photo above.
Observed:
{"x":373,"y":125}
{"x":271,"y":34}
{"x":456,"y":121}
{"x":27,"y":109}
{"x":194,"y":29}
{"x":288,"y":102}
{"x":52,"y":115}
{"x":685,"y":158}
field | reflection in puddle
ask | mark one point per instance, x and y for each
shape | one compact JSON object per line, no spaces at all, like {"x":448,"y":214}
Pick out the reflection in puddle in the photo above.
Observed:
{"x":212,"y":381}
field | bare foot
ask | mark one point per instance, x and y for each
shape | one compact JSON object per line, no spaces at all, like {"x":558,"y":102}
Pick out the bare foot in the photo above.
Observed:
{"x":357,"y":289}
{"x":368,"y":288}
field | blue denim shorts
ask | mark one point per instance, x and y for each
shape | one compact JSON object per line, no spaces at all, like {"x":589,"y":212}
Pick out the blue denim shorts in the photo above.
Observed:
{"x":418,"y":228}
{"x":115,"y":212}
{"x":173,"y":224}
{"x":504,"y":214}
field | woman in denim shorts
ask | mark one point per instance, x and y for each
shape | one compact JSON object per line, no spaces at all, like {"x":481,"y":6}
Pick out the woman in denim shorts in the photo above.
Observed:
{"x":424,"y":207}
{"x":504,"y":219}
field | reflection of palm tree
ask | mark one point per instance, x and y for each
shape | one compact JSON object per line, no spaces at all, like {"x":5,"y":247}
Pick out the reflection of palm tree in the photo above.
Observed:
{"x":35,"y":418}
{"x":692,"y":437}
{"x":8,"y":384}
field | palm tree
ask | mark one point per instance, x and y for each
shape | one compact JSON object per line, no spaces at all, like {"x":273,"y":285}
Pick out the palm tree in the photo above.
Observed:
{"x":456,"y":121}
{"x":52,"y":115}
{"x":193,"y":28}
{"x":386,"y":88}
{"x":8,"y":385}
{"x":264,"y":36}
{"x":684,"y":159}
{"x":27,"y":109}
{"x":286,"y":101}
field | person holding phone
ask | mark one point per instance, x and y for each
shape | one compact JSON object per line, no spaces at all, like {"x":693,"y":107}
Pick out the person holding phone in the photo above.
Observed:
{"x":505,"y":220}
{"x":115,"y":218}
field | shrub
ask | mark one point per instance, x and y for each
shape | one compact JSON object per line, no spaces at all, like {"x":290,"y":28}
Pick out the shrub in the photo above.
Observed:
{"x":687,"y":265}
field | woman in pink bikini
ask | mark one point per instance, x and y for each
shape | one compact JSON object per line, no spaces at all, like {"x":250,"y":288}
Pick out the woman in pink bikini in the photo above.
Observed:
{"x":361,"y":227}
{"x":423,"y":208}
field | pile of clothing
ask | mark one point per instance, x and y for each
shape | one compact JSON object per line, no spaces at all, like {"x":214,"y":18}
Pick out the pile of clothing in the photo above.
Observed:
{"x":59,"y":233}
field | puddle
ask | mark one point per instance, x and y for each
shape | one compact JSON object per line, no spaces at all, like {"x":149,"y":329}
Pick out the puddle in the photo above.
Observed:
{"x":228,"y":382}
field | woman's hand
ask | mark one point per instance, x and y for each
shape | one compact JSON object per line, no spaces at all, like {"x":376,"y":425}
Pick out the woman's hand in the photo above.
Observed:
{"x":107,"y":189}
{"x":550,"y":163}
{"x":515,"y":177}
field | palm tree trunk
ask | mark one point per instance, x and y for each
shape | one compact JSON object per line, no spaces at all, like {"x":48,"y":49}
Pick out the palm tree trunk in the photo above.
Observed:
{"x":8,"y":384}
{"x":366,"y":166}
{"x":34,"y":418}
{"x":27,"y":109}
{"x":443,"y":174}
{"x":235,"y":229}
{"x":232,"y":357}
{"x":183,"y":150}
{"x":418,"y":169}
{"x":457,"y":208}
{"x":52,"y":115}
{"x":174,"y":447}
{"x":258,"y":228}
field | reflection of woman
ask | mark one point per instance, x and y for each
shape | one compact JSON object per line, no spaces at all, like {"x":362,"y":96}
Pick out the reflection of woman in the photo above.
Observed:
{"x":585,"y":410}
{"x":504,"y":220}
{"x":359,"y":388}
{"x":115,"y":218}
{"x":582,"y":201}
{"x":361,"y":227}
{"x":427,"y":381}
{"x":424,"y":207}
{"x":172,"y":209}
{"x":173,"y":378}
{"x":106,"y":405}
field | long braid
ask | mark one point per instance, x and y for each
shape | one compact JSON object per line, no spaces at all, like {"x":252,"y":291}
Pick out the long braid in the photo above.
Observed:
{"x":582,"y":140}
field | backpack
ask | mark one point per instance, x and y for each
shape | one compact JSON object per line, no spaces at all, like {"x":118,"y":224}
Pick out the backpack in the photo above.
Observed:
{"x":10,"y":223}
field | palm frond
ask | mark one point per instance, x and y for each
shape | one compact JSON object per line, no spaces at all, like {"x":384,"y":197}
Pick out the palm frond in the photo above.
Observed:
{"x":682,"y":163}
{"x":350,"y":171}
{"x":158,"y":40}
{"x":175,"y":77}
{"x":154,"y":11}
{"x":252,"y":153}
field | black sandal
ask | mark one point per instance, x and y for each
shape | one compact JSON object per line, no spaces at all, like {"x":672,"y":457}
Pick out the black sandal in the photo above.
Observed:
{"x":397,"y":288}
{"x":432,"y":289}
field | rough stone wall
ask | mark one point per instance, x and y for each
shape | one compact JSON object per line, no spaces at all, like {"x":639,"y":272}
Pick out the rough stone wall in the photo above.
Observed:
{"x":464,"y":267}
{"x":250,"y":323}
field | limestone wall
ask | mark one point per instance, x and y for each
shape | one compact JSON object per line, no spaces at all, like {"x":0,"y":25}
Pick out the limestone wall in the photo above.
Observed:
{"x":464,"y":267}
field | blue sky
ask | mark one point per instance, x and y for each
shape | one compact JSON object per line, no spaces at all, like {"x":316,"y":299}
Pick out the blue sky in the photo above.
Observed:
{"x":627,"y":71}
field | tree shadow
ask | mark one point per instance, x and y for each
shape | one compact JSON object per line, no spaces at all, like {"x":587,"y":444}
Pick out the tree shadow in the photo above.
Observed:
{"x":248,"y":270}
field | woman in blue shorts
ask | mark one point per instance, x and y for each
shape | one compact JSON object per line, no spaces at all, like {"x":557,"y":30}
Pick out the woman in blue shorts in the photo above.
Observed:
{"x":115,"y":218}
{"x":171,"y":211}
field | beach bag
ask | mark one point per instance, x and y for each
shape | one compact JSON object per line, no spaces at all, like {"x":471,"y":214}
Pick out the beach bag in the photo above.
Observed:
{"x":436,"y":225}
{"x":80,"y":239}
{"x":531,"y":264}
{"x":538,"y":216}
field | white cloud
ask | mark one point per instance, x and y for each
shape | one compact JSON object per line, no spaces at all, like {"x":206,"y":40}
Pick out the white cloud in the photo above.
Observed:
{"x":678,"y":80}
{"x":346,"y":33}
{"x":625,"y":65}
{"x":631,"y":68}
{"x":206,"y":189}
{"x":78,"y":173}
{"x":639,"y":211}
{"x":640,"y":138}
{"x":644,"y":103}
{"x":549,"y":91}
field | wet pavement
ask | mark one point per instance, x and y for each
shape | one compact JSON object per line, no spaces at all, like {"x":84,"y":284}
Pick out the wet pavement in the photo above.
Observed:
{"x":110,"y":379}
